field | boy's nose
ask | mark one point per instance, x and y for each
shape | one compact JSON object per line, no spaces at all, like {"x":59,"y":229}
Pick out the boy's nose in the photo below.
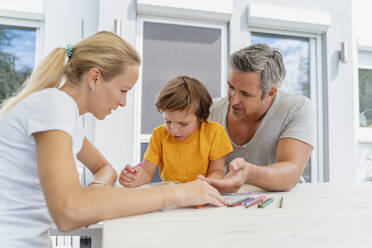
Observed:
{"x":174,"y":130}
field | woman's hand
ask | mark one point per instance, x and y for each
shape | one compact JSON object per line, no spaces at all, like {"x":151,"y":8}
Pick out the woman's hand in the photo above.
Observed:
{"x":196,"y":193}
{"x":129,"y":176}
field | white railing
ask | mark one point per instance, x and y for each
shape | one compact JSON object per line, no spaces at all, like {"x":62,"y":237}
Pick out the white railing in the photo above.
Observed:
{"x":72,"y":239}
{"x":65,"y":241}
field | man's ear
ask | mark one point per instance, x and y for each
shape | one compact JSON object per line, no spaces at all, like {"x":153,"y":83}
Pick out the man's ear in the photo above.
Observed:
{"x":93,"y":76}
{"x":272,"y":92}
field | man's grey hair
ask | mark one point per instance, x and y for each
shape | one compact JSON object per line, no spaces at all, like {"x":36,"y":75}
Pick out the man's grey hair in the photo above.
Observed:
{"x":263,"y":59}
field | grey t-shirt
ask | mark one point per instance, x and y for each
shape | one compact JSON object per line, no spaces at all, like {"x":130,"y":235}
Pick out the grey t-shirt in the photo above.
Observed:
{"x":289,"y":116}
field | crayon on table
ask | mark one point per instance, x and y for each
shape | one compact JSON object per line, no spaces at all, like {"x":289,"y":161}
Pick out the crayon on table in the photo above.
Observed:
{"x":281,"y":202}
{"x":201,"y":206}
{"x":265,"y":202}
{"x":254,"y":202}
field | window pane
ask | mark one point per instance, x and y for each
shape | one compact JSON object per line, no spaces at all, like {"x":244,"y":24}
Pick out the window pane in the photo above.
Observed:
{"x":171,"y":50}
{"x":365,"y":97}
{"x":156,"y":176}
{"x":296,"y":56}
{"x":17,"y":56}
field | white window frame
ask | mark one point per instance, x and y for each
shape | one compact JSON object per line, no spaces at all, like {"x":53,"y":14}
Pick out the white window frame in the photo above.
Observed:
{"x":364,"y":62}
{"x":141,"y":19}
{"x":20,"y":19}
{"x":312,"y":24}
{"x":316,"y":95}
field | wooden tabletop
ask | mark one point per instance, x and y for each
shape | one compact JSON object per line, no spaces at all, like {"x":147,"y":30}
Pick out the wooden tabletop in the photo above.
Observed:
{"x":314,"y":215}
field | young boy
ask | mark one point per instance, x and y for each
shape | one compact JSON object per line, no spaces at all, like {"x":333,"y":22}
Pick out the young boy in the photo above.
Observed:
{"x":187,"y":145}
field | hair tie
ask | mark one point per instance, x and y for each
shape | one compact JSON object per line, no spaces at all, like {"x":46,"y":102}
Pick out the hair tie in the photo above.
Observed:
{"x":69,"y":50}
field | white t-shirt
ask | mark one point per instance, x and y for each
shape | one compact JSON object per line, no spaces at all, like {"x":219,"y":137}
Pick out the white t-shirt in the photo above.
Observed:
{"x":289,"y":116}
{"x":24,"y":217}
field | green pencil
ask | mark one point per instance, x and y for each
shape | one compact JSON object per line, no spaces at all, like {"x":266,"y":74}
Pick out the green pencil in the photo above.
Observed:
{"x":281,"y":202}
{"x":266,"y":202}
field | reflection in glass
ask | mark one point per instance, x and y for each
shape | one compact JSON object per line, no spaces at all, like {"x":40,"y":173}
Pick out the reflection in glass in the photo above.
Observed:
{"x":171,"y":50}
{"x":296,"y":56}
{"x":156,"y":176}
{"x":365,"y":98}
{"x":17,"y":56}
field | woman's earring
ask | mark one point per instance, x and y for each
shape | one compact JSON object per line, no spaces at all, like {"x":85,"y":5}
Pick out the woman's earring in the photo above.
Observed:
{"x":91,"y":88}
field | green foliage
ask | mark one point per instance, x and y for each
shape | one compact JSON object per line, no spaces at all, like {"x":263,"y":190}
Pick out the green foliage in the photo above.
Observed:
{"x":10,"y":78}
{"x":365,"y":95}
{"x":304,"y":81}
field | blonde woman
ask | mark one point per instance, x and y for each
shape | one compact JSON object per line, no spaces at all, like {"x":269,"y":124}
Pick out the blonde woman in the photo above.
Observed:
{"x":41,"y":139}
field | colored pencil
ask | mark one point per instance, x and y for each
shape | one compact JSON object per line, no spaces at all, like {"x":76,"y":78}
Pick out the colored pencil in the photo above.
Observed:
{"x":248,"y":201}
{"x":238,"y":202}
{"x":236,"y":194}
{"x":201,"y":206}
{"x":137,"y":165}
{"x":281,"y":202}
{"x":266,"y":202}
{"x":255,"y":201}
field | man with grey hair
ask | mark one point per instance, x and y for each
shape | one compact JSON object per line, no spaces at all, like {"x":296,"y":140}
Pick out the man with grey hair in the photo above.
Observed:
{"x":271,"y":131}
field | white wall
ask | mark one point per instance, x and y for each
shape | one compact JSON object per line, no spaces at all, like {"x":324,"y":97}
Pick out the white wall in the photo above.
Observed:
{"x":63,"y":21}
{"x":31,"y":6}
{"x":114,"y":135}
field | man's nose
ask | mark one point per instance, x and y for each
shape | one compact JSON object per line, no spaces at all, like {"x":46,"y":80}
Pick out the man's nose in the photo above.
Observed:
{"x":234,"y":98}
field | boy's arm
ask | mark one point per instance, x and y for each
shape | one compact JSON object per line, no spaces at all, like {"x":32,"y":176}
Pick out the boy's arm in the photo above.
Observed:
{"x":145,"y":172}
{"x":216,"y":168}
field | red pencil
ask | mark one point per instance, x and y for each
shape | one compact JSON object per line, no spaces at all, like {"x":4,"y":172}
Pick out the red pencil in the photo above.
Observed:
{"x":255,"y":201}
{"x":239,"y":202}
{"x":137,"y":165}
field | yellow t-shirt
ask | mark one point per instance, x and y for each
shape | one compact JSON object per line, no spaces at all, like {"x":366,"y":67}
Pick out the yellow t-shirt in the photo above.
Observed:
{"x":182,"y":161}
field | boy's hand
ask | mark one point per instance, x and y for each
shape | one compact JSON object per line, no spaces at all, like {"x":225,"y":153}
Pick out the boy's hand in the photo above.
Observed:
{"x":128,"y":176}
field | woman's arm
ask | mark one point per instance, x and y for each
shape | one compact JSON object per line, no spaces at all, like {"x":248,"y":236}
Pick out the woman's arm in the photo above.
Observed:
{"x":97,"y":164}
{"x":216,"y":168}
{"x":72,"y":206}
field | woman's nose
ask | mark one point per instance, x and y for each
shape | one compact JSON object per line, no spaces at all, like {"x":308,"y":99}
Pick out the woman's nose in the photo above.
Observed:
{"x":122,"y":101}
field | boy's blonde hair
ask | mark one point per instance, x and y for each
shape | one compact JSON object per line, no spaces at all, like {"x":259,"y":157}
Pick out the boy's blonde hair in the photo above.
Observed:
{"x":185,"y":93}
{"x":104,"y":50}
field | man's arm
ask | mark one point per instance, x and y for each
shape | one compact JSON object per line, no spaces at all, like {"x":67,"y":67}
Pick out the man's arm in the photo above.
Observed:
{"x":291,"y":156}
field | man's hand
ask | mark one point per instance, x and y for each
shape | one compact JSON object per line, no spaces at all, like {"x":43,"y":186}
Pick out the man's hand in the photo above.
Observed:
{"x":231,"y":183}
